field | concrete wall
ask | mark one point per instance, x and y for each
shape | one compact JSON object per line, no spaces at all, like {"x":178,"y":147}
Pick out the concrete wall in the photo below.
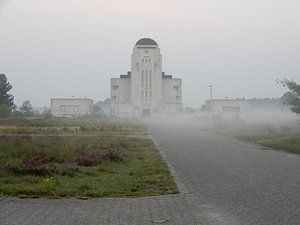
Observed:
{"x":120,"y":97}
{"x":227,"y":105}
{"x":172,"y":96}
{"x":71,"y":107}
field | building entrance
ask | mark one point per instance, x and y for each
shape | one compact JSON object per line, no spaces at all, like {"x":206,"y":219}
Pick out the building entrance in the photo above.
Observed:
{"x":146,"y":112}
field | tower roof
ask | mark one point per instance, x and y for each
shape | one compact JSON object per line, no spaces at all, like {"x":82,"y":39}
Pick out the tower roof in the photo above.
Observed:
{"x":146,"y":41}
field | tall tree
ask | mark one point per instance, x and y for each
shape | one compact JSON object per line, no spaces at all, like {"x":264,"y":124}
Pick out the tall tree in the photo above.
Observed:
{"x":6,"y":99}
{"x":26,"y":108}
{"x":292,"y":97}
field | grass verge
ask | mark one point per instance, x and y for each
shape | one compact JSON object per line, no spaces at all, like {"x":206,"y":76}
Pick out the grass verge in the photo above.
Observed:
{"x":99,"y":159}
{"x":283,"y":138}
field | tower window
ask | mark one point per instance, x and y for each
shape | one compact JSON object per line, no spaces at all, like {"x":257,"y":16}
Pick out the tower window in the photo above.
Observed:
{"x":146,"y":78}
{"x":142,"y":80}
{"x":146,"y":96}
{"x":150,"y":78}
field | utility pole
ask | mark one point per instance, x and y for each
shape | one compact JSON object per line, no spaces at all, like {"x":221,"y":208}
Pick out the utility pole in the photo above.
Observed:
{"x":121,"y":101}
{"x":172,"y":107}
{"x":211,"y":91}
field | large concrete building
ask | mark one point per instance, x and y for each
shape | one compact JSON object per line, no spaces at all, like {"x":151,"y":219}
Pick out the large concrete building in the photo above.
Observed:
{"x":71,"y":107}
{"x":145,"y":90}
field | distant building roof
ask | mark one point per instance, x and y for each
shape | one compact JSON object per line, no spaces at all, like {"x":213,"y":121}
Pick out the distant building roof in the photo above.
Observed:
{"x":87,"y":99}
{"x":164,"y":76}
{"x":146,"y":41}
{"x":228,"y":100}
{"x":128,"y":75}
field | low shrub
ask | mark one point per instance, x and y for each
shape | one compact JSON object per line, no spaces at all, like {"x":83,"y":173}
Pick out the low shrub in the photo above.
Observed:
{"x":68,"y":169}
{"x":96,"y":158}
{"x":89,"y":159}
{"x":113,"y":155}
{"x":35,"y":165}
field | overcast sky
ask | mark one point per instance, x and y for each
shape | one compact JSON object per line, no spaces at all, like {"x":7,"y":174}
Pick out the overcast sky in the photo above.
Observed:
{"x":63,"y":48}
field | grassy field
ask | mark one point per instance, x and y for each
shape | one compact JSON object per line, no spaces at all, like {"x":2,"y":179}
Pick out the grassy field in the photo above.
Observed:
{"x":83,"y":157}
{"x":280,"y":136}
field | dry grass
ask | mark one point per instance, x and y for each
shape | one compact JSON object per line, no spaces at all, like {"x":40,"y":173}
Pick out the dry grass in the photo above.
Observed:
{"x":96,"y":159}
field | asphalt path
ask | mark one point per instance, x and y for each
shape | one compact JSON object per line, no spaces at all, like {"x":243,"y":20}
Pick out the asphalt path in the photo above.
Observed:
{"x":222,"y":181}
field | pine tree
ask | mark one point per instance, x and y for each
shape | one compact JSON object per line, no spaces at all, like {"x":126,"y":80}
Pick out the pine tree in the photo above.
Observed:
{"x":6,"y":99}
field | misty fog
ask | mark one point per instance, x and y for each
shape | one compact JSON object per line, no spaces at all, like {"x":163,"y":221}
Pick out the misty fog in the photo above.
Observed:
{"x":72,"y":48}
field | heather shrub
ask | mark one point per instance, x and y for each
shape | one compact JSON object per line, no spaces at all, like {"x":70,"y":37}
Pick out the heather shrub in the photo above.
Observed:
{"x":113,"y":155}
{"x":89,"y":159}
{"x":35,"y":165}
{"x":96,"y":158}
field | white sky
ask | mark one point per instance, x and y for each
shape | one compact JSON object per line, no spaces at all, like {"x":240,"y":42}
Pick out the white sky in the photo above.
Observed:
{"x":63,"y":48}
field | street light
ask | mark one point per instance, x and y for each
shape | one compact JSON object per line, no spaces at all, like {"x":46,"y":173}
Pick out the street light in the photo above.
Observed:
{"x":211,"y":87}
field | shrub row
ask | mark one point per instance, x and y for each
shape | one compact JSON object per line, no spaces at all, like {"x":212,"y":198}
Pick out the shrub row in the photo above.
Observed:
{"x":41,"y":165}
{"x":95,"y":158}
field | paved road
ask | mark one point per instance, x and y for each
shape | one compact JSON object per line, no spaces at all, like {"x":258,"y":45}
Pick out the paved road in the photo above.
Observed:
{"x":222,"y":182}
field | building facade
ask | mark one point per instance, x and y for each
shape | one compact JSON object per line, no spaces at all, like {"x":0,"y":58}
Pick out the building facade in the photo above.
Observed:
{"x":227,"y":106}
{"x":71,"y":107}
{"x":145,"y":90}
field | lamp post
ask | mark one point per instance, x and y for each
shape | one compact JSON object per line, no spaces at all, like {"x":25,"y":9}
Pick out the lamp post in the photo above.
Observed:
{"x":211,"y":94}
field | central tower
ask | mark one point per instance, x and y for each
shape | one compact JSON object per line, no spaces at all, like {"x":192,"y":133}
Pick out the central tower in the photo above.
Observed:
{"x":146,"y":77}
{"x":145,"y":90}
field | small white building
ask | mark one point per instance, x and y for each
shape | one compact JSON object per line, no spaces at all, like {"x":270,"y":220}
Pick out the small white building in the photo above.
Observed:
{"x":145,"y":90}
{"x":227,"y":106}
{"x":71,"y":107}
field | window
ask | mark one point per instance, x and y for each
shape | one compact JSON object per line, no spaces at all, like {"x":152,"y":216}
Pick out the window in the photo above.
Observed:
{"x":142,"y":80}
{"x":231,"y":109}
{"x":150,"y":96}
{"x":149,"y":60}
{"x":146,"y":78}
{"x":146,"y":51}
{"x":142,"y":60}
{"x":177,"y":87}
{"x":142,"y":97}
{"x":150,"y":78}
{"x":146,"y":96}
